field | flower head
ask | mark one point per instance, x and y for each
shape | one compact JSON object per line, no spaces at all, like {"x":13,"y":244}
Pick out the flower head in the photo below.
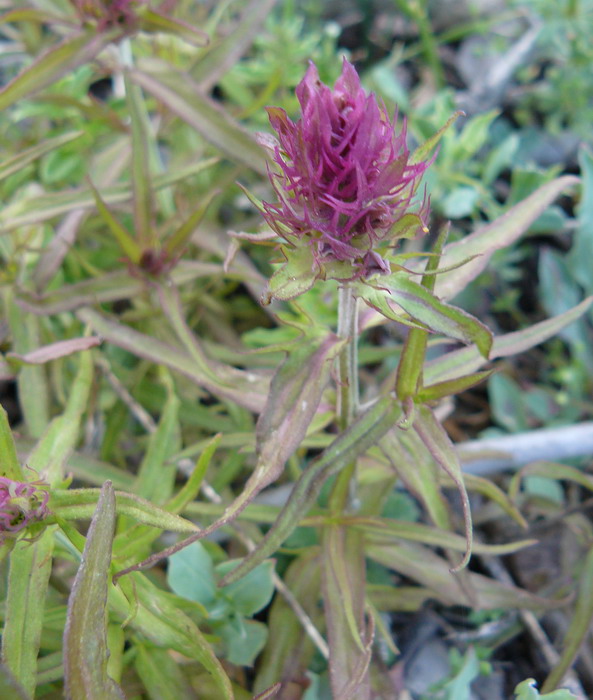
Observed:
{"x":21,"y":503}
{"x":108,"y":14}
{"x":345,"y":178}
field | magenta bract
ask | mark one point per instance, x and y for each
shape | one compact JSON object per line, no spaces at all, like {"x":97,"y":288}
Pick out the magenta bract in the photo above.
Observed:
{"x":21,"y":503}
{"x":345,"y":175}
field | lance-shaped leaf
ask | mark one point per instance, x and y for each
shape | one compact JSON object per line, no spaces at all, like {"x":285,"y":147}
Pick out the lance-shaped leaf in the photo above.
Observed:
{"x":85,"y":634}
{"x":53,"y":64}
{"x":141,"y":145}
{"x":439,"y":445}
{"x":480,"y":245}
{"x":579,"y":628}
{"x":224,"y":53}
{"x":11,"y":688}
{"x":22,"y":159}
{"x":247,"y":388}
{"x":364,"y":432}
{"x":79,"y":504}
{"x":425,"y":308}
{"x":9,"y":466}
{"x":461,"y":362}
{"x":47,"y":353}
{"x":32,"y":210}
{"x":176,"y":242}
{"x":152,"y":21}
{"x":292,"y":403}
{"x":61,"y":436}
{"x":155,"y":614}
{"x":183,"y":98}
{"x":344,"y":577}
{"x":28,"y":578}
{"x":126,"y":241}
{"x":452,"y":387}
{"x":286,"y":633}
{"x":111,"y":286}
{"x":420,"y":564}
{"x":381,"y":529}
{"x":424,"y":150}
{"x":161,"y":674}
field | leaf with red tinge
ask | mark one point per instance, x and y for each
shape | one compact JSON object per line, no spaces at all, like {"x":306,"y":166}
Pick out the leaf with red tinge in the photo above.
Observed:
{"x":62,"y":348}
{"x":269,"y":693}
{"x":425,"y":308}
{"x":481,"y":244}
{"x":85,"y":635}
{"x":53,"y":64}
{"x":344,"y":577}
{"x":178,"y":93}
{"x":460,"y":362}
{"x":441,"y":448}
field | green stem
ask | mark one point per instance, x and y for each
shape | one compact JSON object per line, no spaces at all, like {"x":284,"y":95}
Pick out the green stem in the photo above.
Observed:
{"x":343,"y":494}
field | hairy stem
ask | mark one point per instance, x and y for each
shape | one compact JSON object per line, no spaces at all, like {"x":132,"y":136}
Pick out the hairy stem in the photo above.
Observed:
{"x":343,"y":496}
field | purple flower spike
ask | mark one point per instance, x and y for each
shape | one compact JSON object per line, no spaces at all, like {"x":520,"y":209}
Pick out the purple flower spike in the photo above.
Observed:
{"x":345,"y":179}
{"x":21,"y":504}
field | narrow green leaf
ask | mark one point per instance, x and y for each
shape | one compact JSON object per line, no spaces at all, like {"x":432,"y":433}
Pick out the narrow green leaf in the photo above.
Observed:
{"x":161,"y":674}
{"x":189,"y":491}
{"x":459,"y":363}
{"x":10,"y":688}
{"x":420,"y":564}
{"x":10,"y":466}
{"x":61,"y":436}
{"x":224,"y":53}
{"x":111,"y":286}
{"x":384,"y":528}
{"x":126,"y":242}
{"x":85,"y":634}
{"x":427,"y":309}
{"x":79,"y":504}
{"x":176,"y":242}
{"x":550,"y":470}
{"x":184,"y":99}
{"x":480,"y":245}
{"x":438,"y":443}
{"x":293,"y":400}
{"x":344,"y":576}
{"x":364,"y":432}
{"x":439,"y":390}
{"x":33,"y":390}
{"x":247,"y":388}
{"x":32,"y":210}
{"x":140,"y":164}
{"x":28,"y":578}
{"x":156,"y":478}
{"x":153,"y":21}
{"x":53,"y":64}
{"x":417,"y":469}
{"x":579,"y":628}
{"x":155,"y":615}
{"x":22,"y":159}
{"x":424,"y":150}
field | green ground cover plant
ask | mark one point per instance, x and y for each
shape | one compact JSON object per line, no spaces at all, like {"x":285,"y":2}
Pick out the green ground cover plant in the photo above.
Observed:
{"x":240,"y":292}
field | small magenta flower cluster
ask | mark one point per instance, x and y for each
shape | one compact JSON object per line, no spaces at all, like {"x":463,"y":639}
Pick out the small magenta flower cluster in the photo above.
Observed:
{"x":21,"y":504}
{"x":345,"y":176}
